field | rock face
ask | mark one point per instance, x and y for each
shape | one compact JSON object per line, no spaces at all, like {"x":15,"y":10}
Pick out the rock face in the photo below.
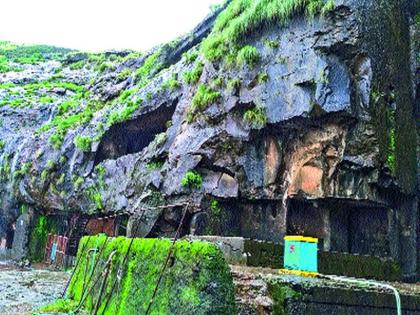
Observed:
{"x":309,"y":128}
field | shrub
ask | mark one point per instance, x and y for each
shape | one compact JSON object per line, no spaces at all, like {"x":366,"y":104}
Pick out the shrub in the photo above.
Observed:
{"x":83,"y":143}
{"x":192,"y":179}
{"x":248,"y":55}
{"x":255,"y":117}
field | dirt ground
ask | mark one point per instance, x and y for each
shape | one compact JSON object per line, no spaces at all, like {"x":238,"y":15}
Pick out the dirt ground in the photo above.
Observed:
{"x":23,"y":291}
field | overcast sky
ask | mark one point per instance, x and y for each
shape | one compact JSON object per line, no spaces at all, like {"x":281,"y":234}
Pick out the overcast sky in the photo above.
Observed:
{"x":95,"y":25}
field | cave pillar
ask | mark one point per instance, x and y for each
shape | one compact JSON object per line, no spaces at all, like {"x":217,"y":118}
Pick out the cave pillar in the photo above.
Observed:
{"x":21,"y":237}
{"x":408,"y":217}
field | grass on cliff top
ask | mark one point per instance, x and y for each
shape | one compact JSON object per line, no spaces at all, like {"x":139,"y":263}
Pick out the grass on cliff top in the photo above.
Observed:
{"x":242,"y":17}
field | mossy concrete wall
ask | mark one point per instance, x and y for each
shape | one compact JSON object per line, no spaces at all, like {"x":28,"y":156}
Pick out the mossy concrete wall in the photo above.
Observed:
{"x":300,"y":296}
{"x":197,"y":280}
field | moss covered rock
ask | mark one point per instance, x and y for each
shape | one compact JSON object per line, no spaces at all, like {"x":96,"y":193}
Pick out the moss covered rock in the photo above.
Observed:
{"x":197,"y":280}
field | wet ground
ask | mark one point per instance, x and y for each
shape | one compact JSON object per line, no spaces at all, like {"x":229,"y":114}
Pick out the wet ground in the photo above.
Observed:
{"x":23,"y":291}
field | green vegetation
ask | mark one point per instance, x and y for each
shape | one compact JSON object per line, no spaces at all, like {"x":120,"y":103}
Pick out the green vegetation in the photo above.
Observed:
{"x":262,"y":77}
{"x":190,"y":56}
{"x":125,"y":113}
{"x":203,"y":97}
{"x":95,"y":196}
{"x":391,"y":159}
{"x":59,"y":306}
{"x":255,"y":117}
{"x":192,"y":77}
{"x":83,"y":143}
{"x":12,"y":55}
{"x":24,"y":169}
{"x":2,"y":144}
{"x":172,"y":84}
{"x":38,"y":237}
{"x":280,"y":293}
{"x":242,"y":17}
{"x":149,"y":67}
{"x":77,"y":182}
{"x":192,"y":179}
{"x":247,"y":55}
{"x":270,"y":43}
{"x":124,"y":74}
{"x":234,"y":84}
{"x":217,"y":82}
{"x":184,"y":287}
{"x":155,"y":164}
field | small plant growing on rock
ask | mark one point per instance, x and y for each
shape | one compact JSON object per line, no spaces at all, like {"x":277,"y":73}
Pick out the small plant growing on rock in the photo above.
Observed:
{"x":172,"y":84}
{"x":248,"y":55}
{"x":234,"y":84}
{"x":269,"y":43}
{"x":83,"y":143}
{"x":204,"y":97}
{"x":255,"y":117}
{"x":192,"y":179}
{"x":190,"y":56}
{"x":192,"y":77}
{"x":124,"y":74}
{"x":262,"y":77}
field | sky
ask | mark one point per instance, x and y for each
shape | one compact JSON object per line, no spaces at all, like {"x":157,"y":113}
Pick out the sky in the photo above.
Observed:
{"x":97,"y":25}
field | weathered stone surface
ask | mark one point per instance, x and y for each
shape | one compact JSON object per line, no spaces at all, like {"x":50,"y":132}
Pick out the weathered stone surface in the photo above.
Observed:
{"x":338,"y":147}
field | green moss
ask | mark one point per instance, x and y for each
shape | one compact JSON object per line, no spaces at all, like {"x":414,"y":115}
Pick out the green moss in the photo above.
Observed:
{"x":196,"y":267}
{"x":192,"y":179}
{"x":83,"y":143}
{"x":2,"y":144}
{"x":255,"y":117}
{"x":391,"y":160}
{"x":38,"y":237}
{"x":280,"y":294}
{"x":58,"y":307}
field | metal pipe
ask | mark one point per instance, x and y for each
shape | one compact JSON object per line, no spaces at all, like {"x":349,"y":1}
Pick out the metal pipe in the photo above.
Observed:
{"x":369,"y":283}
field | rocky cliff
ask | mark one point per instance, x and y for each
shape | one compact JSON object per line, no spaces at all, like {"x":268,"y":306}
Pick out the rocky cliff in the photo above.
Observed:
{"x":270,"y":117}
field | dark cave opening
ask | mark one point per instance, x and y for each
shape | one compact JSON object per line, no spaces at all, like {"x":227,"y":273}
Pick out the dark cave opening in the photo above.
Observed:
{"x":134,"y":135}
{"x":10,"y":234}
{"x":342,"y":226}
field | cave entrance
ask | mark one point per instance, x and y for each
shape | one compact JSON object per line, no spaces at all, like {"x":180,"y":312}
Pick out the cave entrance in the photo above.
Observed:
{"x":343,"y":226}
{"x":10,"y":235}
{"x":306,"y":218}
{"x":134,"y":135}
